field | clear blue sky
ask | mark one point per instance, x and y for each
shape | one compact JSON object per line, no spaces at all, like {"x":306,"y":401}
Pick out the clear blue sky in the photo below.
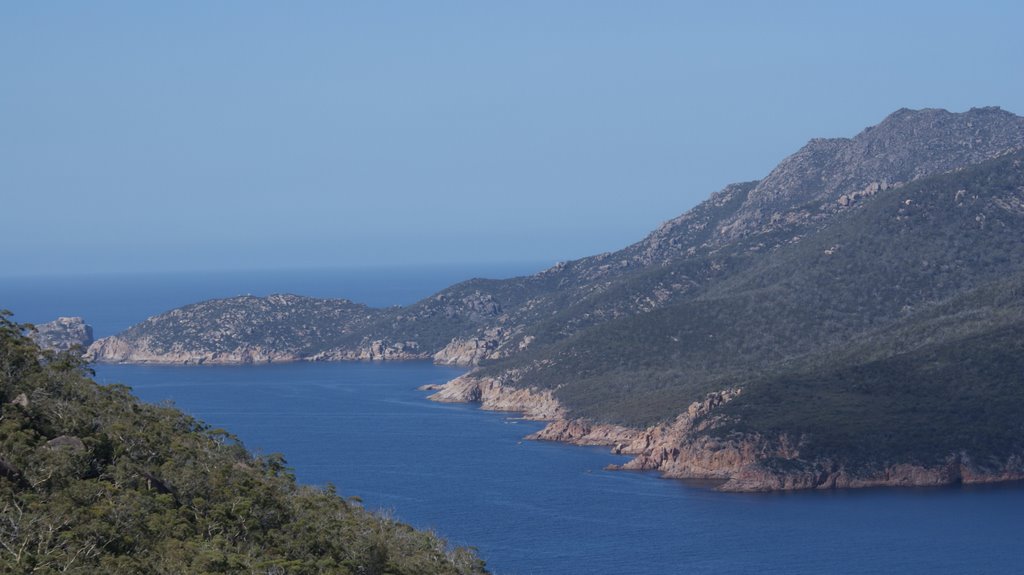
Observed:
{"x":198,"y":135}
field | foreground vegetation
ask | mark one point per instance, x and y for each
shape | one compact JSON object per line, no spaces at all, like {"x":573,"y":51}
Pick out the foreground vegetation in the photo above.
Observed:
{"x":94,"y":481}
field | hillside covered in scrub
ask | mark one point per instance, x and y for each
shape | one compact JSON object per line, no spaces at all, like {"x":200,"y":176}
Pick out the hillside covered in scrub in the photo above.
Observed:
{"x":94,"y":481}
{"x":852,"y":318}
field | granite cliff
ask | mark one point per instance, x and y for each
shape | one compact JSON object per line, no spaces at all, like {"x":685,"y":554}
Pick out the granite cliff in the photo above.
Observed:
{"x":688,"y":447}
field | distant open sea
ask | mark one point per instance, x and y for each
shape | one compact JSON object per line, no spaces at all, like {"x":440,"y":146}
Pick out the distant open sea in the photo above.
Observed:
{"x":113,"y":302}
{"x":530,"y":507}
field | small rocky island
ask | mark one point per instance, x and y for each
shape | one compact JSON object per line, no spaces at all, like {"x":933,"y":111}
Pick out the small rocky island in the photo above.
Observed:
{"x":854,"y":318}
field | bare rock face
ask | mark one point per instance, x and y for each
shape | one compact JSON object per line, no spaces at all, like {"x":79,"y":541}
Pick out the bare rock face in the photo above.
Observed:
{"x":584,"y":432}
{"x":376,"y":350}
{"x":832,"y":174}
{"x":62,"y":334}
{"x":472,"y":350}
{"x":906,"y":146}
{"x":21,"y":401}
{"x":493,"y":396}
{"x":489,"y":344}
{"x":66,"y":442}
{"x":679,"y":449}
{"x":466,"y":351}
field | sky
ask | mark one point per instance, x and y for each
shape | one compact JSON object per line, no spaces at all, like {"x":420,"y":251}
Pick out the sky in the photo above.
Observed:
{"x":143,"y":136}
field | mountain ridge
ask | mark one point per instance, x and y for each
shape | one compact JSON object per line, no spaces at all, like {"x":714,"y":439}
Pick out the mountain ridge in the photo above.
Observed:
{"x":697,"y":232}
{"x":847,"y":240}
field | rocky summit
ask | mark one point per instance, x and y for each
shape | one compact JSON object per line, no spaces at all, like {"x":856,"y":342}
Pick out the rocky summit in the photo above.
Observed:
{"x":63,"y":334}
{"x":854,"y":318}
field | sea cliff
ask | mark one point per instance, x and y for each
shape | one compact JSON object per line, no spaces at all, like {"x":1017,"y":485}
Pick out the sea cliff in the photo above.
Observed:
{"x":687,"y":448}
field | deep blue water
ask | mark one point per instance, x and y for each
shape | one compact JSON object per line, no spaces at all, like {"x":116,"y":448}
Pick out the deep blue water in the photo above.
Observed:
{"x":534,"y":507}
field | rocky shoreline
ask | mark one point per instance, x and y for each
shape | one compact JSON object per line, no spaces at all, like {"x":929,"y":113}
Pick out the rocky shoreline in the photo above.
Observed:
{"x":684,"y":448}
{"x":115,"y":349}
{"x":461,"y":352}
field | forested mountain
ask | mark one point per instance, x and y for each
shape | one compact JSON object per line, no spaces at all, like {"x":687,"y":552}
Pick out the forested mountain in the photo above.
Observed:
{"x":94,"y":481}
{"x":849,"y":299}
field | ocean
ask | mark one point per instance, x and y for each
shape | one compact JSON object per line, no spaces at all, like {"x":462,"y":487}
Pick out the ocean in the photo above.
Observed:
{"x":529,"y":507}
{"x":111,"y":303}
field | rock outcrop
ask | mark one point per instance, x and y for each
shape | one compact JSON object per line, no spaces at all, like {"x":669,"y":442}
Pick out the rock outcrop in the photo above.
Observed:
{"x":377,"y":350}
{"x":687,"y":448}
{"x":585,"y":432}
{"x":62,"y":334}
{"x":492,"y":395}
{"x":472,"y":350}
{"x":813,"y":181}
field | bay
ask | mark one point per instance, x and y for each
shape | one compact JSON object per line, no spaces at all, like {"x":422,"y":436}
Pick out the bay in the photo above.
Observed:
{"x":536,"y":507}
{"x":530,"y":507}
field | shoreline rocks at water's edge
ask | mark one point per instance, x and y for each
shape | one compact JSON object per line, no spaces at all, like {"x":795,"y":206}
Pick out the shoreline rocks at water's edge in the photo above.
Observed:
{"x":116,"y":349}
{"x":684,"y":448}
{"x":493,"y":396}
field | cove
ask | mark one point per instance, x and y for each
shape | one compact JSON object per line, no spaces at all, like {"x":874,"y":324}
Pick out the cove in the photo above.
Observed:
{"x":536,"y":507}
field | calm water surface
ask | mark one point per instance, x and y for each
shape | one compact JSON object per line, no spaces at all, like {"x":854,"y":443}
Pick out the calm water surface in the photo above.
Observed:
{"x":533,"y":507}
{"x":529,"y":507}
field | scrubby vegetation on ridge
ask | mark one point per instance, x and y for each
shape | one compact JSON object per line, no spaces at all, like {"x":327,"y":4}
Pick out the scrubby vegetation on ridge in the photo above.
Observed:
{"x":964,"y":396}
{"x":892,"y":336}
{"x":94,"y":481}
{"x":864,"y":259}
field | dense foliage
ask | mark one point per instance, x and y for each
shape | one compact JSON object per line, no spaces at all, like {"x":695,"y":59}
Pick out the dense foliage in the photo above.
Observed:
{"x":94,"y":481}
{"x":958,"y":397}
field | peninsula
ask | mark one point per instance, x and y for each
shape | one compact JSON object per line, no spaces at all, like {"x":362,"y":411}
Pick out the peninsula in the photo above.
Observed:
{"x":854,"y":318}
